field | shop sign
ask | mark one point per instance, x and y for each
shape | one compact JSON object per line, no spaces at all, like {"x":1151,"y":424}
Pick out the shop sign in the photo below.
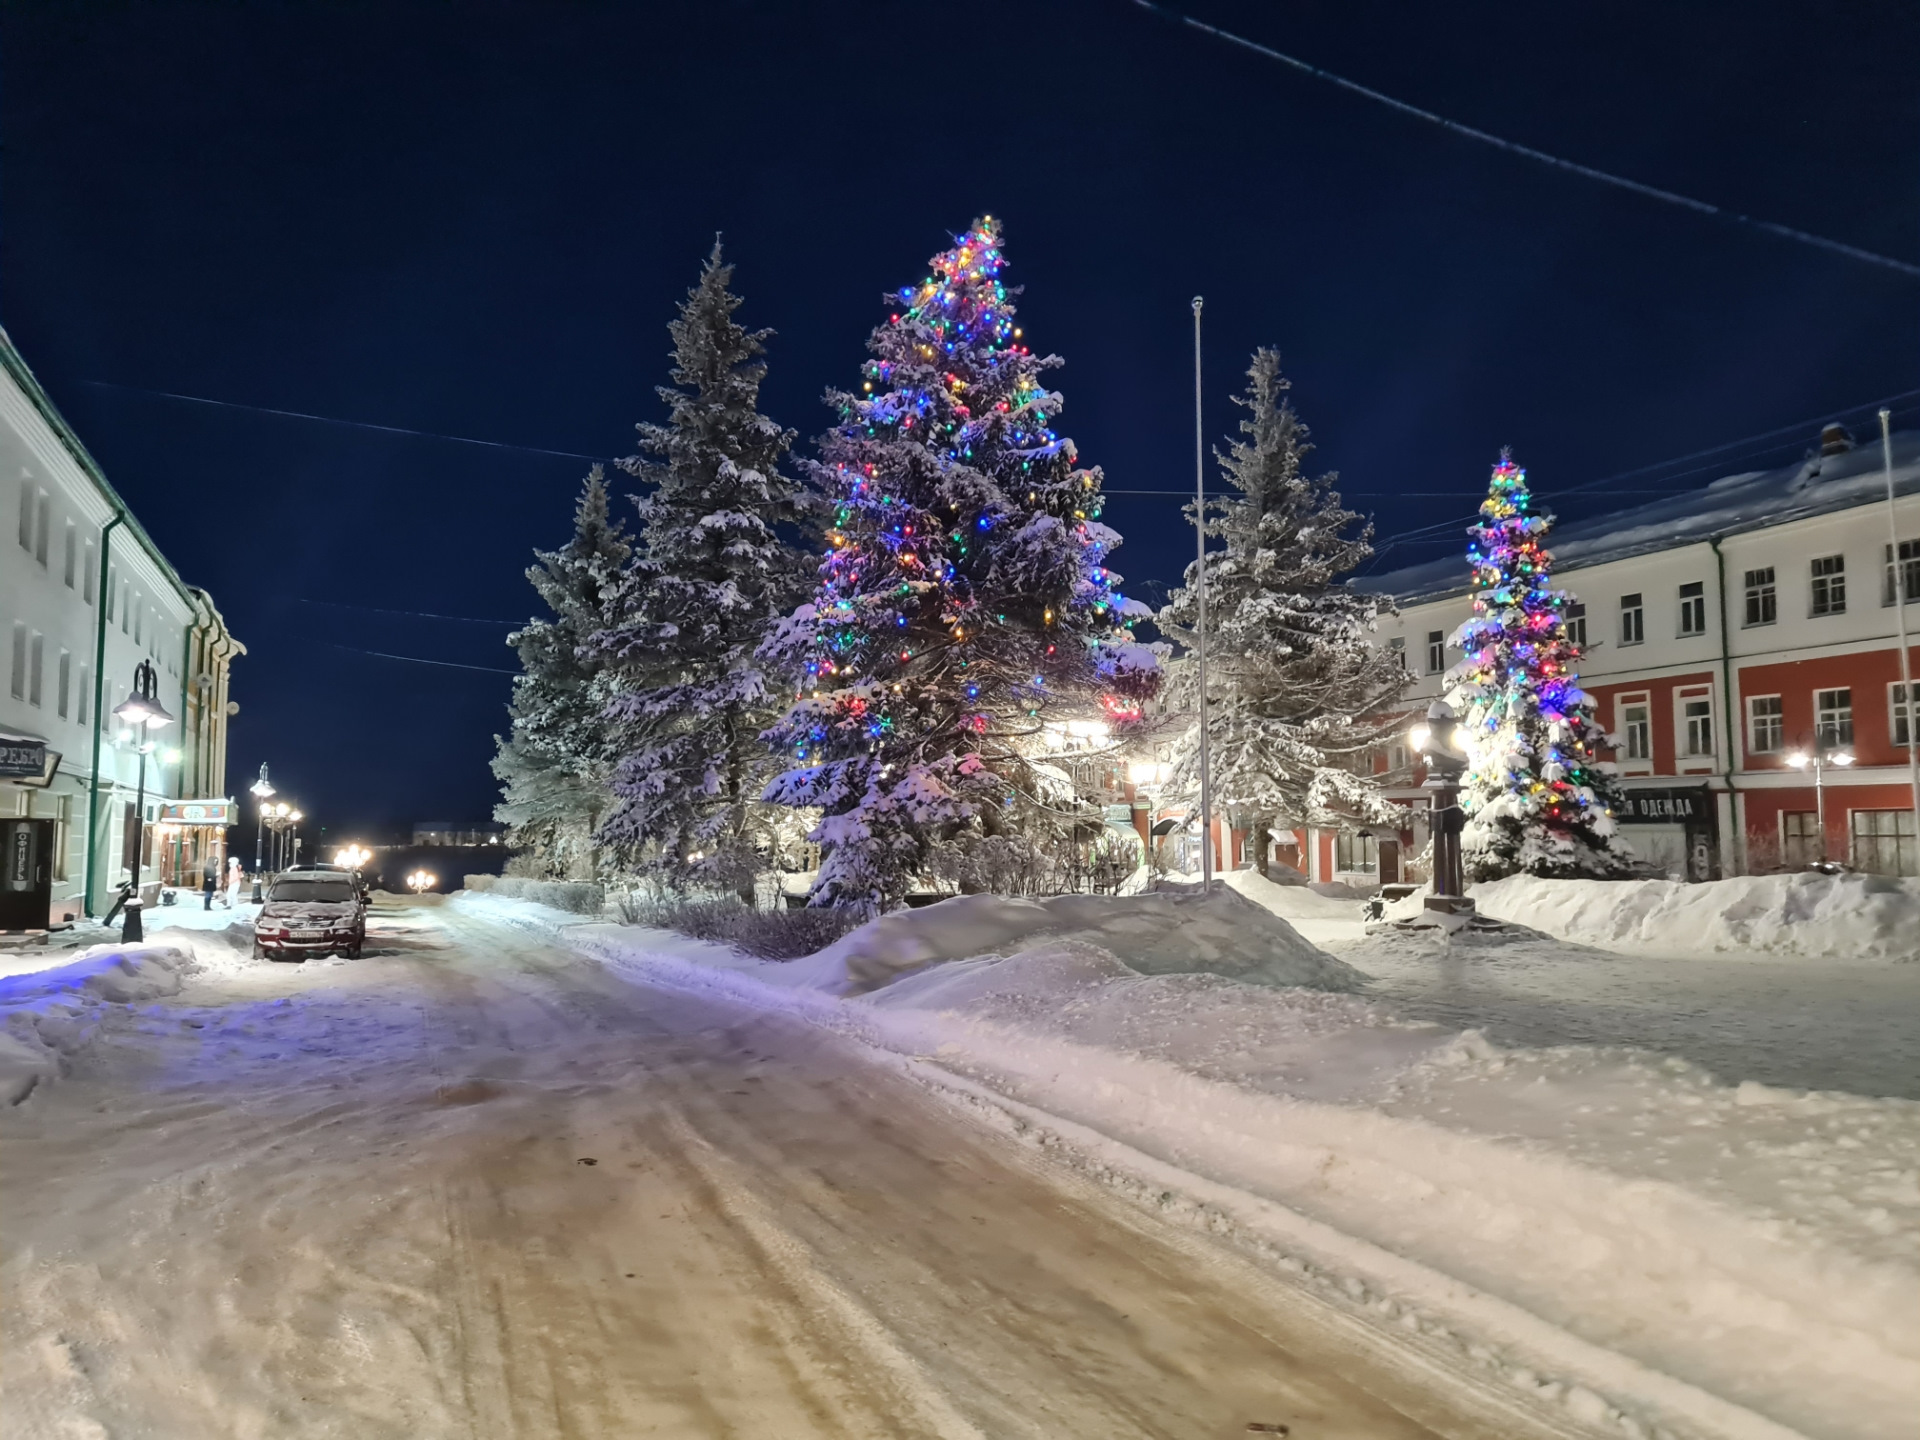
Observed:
{"x":1666,"y":807}
{"x":22,"y":757}
{"x":197,"y":812}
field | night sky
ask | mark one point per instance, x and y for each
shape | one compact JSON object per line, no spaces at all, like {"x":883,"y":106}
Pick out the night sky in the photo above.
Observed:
{"x":477,"y":219}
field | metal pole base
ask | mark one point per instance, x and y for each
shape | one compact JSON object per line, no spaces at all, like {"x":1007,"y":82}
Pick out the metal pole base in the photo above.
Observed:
{"x":130,"y":930}
{"x":256,"y":888}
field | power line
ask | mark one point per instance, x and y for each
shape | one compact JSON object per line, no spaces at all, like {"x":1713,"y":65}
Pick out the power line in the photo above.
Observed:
{"x":352,"y":424}
{"x":417,"y":660}
{"x":416,"y":614}
{"x":1572,"y":167}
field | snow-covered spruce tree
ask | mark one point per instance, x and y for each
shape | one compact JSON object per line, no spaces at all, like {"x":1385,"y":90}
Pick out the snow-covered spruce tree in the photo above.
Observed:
{"x":1298,"y":693}
{"x":713,"y":568}
{"x":554,"y":766}
{"x":1535,"y":798}
{"x":964,"y":601}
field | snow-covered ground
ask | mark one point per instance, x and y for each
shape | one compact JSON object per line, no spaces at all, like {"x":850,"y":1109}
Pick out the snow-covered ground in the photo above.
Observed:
{"x":1647,"y":1242}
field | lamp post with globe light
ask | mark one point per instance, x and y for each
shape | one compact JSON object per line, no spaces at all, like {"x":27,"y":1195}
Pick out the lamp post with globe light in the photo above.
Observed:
{"x":422,"y":880}
{"x":142,"y":712}
{"x":1826,"y":750}
{"x":262,"y":793}
{"x":1437,"y":742}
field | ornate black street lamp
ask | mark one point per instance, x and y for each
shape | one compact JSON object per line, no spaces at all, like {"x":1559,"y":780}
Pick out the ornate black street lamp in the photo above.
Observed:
{"x":142,"y":711}
{"x":262,"y":792}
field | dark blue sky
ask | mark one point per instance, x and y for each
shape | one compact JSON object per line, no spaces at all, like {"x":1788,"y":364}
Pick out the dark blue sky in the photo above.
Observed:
{"x":477,"y":219}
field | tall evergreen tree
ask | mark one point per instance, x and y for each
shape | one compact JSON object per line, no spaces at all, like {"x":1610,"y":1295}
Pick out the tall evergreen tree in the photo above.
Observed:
{"x":713,"y":568}
{"x":555,"y":764}
{"x":1535,"y":797}
{"x":1298,"y":696}
{"x":965,"y":600}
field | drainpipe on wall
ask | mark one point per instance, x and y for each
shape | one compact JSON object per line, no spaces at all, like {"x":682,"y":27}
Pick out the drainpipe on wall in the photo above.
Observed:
{"x":99,"y":720}
{"x":1737,"y":827}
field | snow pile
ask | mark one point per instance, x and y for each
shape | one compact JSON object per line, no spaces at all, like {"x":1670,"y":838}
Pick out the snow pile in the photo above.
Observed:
{"x":1840,"y":917}
{"x":1159,"y":934}
{"x":1318,"y":915}
{"x":46,"y":1015}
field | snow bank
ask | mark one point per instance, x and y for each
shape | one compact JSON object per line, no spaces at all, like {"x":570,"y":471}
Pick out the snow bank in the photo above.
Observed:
{"x":1318,"y":916}
{"x":1837,"y":917}
{"x":1159,"y":934}
{"x":1618,"y":1235}
{"x":47,"y":1015}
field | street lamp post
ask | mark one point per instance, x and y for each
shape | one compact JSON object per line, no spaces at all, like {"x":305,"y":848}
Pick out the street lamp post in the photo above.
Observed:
{"x":1436,"y":742}
{"x":262,"y":792}
{"x":1826,"y":751}
{"x":143,"y":711}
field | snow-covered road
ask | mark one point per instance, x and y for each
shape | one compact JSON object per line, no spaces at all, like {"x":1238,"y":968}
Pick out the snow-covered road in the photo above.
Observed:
{"x":473,"y":1185}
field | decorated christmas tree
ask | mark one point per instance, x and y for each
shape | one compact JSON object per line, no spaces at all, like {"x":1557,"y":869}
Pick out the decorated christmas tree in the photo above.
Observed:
{"x":1535,"y":797}
{"x":555,"y":765}
{"x":964,"y":604}
{"x":713,"y":568}
{"x":1299,"y":693}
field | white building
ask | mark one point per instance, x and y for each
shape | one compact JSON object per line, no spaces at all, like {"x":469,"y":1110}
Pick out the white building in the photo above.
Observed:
{"x":1725,"y":629}
{"x":85,"y":597}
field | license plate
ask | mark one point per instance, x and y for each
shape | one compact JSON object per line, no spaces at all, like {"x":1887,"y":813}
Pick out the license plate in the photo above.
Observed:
{"x":307,"y":935}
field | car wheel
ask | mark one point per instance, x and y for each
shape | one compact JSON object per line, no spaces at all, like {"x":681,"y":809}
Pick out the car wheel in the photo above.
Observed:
{"x":258,"y":952}
{"x":353,"y":950}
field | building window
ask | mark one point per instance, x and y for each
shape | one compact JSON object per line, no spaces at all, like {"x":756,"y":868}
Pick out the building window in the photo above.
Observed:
{"x":1899,"y":714}
{"x":1696,"y":725}
{"x":66,"y":674}
{"x":1396,"y":757}
{"x":1799,"y":838}
{"x":86,"y":696}
{"x":1766,"y":725}
{"x":1693,"y":608}
{"x":1577,"y":624}
{"x":1636,"y":730}
{"x":26,"y":516}
{"x":1829,"y":585}
{"x":1398,"y":646}
{"x":1909,"y":573}
{"x":1436,"y":651}
{"x":36,"y":668}
{"x":1633,"y":620}
{"x":18,"y":687}
{"x":1833,"y":717}
{"x":40,"y":530}
{"x":139,"y":619}
{"x":1884,"y":842}
{"x":1761,"y":609}
{"x":113,"y":584}
{"x":1353,"y":853}
{"x":72,"y":554}
{"x":86,"y":574}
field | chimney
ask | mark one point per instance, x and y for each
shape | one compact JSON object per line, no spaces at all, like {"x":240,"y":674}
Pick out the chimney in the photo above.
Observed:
{"x":1835,"y":439}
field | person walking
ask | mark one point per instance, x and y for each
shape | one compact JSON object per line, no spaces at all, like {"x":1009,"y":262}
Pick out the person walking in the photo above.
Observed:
{"x":234,"y":873}
{"x":209,"y":880}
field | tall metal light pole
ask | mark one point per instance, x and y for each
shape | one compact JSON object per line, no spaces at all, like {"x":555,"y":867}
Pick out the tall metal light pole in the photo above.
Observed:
{"x":262,"y":792}
{"x":1200,"y":587}
{"x":1900,"y":617}
{"x":1825,"y":752}
{"x":143,"y":711}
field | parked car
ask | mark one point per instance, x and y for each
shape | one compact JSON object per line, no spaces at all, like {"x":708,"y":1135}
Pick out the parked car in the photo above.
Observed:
{"x":312,"y":912}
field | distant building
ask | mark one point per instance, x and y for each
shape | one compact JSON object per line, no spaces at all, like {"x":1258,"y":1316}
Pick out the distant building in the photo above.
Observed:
{"x":456,"y":832}
{"x":85,"y":596}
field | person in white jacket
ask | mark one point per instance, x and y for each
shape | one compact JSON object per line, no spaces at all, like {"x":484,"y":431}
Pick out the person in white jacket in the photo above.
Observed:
{"x":233,"y":880}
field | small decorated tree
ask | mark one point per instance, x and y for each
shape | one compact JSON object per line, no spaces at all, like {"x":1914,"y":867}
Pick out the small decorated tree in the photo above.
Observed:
{"x":1535,"y":797}
{"x":964,"y":603}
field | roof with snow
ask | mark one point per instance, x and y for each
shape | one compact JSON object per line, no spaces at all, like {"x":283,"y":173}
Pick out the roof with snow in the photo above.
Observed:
{"x":1749,"y":501}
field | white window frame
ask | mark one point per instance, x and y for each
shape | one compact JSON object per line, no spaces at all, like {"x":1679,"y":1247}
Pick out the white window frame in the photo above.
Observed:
{"x":1899,"y":712}
{"x":1842,"y":727}
{"x":1689,"y":756}
{"x":1627,"y":760}
{"x":1576,"y":620}
{"x":1778,"y":727}
{"x":1633,"y":618}
{"x":1826,"y":589}
{"x":1692,"y":607}
{"x":1436,"y":652}
{"x":1762,"y":598}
